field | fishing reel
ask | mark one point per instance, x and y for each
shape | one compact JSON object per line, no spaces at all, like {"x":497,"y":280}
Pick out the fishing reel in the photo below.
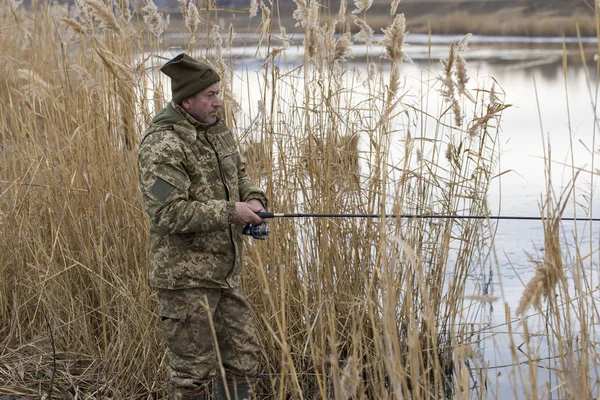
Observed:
{"x":257,"y":231}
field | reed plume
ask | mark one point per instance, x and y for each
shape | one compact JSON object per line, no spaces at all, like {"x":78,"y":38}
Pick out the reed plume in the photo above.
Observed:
{"x":153,"y":19}
{"x":450,"y":153}
{"x":313,"y":15}
{"x":365,"y":34}
{"x":394,"y":6}
{"x":253,"y":8}
{"x":457,"y":112}
{"x":371,"y":71}
{"x":455,"y":78}
{"x":342,"y":11}
{"x":447,"y":77}
{"x":532,"y":294}
{"x":550,"y":271}
{"x":219,"y":54}
{"x":301,"y":13}
{"x":343,"y":48}
{"x":191,"y":17}
{"x":74,"y":26}
{"x":183,"y":7}
{"x":104,"y":14}
{"x":362,"y":6}
{"x":463,"y":44}
{"x":461,"y":65}
{"x":462,"y":77}
{"x":553,"y":259}
{"x":265,"y":16}
{"x":332,"y":48}
{"x":394,"y":40}
{"x":307,"y":17}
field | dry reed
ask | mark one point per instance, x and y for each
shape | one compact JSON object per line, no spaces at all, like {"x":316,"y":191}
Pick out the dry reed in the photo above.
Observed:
{"x":394,"y":40}
{"x":362,"y":6}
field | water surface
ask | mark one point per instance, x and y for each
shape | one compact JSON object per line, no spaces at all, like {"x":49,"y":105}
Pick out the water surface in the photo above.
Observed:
{"x":552,"y":120}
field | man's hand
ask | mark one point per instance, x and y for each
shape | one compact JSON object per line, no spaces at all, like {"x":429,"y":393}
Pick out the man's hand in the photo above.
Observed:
{"x":256,"y":204}
{"x":245,"y":213}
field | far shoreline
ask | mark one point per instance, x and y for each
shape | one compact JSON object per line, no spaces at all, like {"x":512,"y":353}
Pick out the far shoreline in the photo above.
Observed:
{"x":444,"y":18}
{"x":420,"y":47}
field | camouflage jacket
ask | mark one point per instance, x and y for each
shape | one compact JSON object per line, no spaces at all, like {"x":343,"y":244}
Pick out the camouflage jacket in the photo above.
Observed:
{"x":191,"y":174}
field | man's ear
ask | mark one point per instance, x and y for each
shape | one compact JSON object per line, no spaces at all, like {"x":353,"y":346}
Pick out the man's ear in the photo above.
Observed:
{"x":186,"y":105}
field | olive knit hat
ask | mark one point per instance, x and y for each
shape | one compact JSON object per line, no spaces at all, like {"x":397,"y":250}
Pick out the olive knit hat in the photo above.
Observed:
{"x":189,"y":76}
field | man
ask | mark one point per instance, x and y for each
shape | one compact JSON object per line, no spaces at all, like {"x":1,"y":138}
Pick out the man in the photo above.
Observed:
{"x":199,"y":198}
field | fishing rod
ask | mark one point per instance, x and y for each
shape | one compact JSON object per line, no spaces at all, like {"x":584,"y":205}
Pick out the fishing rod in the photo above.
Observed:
{"x":258,"y":231}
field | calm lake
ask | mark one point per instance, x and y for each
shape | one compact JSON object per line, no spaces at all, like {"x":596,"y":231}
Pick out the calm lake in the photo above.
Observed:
{"x":551,"y":109}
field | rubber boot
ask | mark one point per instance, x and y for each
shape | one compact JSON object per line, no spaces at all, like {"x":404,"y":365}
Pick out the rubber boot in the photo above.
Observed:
{"x":236,"y":392}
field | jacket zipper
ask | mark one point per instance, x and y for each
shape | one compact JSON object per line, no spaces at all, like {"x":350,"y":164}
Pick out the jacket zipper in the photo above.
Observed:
{"x":235,"y":250}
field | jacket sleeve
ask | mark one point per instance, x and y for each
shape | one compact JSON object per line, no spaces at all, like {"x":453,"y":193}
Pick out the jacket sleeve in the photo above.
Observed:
{"x":248,"y":190}
{"x":165,"y":185}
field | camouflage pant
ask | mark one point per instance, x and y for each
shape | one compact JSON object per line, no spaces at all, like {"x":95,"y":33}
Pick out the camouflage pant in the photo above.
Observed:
{"x":188,"y":317}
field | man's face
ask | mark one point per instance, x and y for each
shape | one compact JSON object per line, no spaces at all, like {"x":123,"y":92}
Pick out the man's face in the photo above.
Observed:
{"x":204,"y":105}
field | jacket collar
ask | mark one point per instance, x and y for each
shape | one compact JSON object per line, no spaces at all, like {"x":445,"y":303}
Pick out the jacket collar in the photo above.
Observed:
{"x":174,"y":117}
{"x":189,"y":126}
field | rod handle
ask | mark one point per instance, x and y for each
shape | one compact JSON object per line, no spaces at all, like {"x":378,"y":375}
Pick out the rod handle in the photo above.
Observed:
{"x":265,"y":215}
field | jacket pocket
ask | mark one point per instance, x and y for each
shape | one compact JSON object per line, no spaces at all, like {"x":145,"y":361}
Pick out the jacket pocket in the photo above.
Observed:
{"x":175,"y":321}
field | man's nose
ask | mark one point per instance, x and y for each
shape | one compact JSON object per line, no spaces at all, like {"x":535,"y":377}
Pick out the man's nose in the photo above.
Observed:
{"x":218,"y":102}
